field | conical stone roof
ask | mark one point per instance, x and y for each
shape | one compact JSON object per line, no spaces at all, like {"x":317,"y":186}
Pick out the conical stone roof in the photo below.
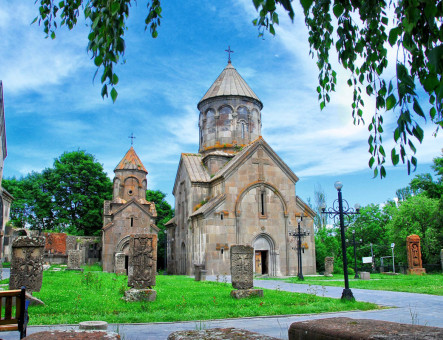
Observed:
{"x":131,"y":162}
{"x":229,"y":83}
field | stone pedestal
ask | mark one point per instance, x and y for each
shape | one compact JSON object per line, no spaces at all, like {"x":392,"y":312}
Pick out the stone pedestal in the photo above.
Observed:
{"x":246,"y":293}
{"x":93,"y":325}
{"x":203,"y":273}
{"x":27,"y":263}
{"x":197,"y":271}
{"x":417,"y":271}
{"x":365,"y":276}
{"x":133,"y":295}
{"x":329,"y":266}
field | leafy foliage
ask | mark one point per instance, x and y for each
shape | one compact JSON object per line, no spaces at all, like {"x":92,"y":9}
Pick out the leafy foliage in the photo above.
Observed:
{"x":67,"y":197}
{"x":164,"y":214}
{"x":107,"y":20}
{"x":362,"y":34}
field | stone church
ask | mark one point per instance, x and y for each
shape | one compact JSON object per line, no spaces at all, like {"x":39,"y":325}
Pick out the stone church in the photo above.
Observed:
{"x":235,"y":190}
{"x":128,"y":212}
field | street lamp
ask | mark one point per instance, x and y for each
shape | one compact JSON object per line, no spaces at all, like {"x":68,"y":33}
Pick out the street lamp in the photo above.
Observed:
{"x":340,"y":211}
{"x":299,"y":234}
{"x":355,"y":252}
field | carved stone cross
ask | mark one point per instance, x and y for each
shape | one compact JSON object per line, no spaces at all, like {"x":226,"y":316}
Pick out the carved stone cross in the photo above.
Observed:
{"x":261,"y":161}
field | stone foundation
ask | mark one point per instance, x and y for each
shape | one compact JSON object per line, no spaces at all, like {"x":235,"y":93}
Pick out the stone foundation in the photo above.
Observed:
{"x":219,"y":334}
{"x":245,"y":293}
{"x":362,"y":329}
{"x":417,"y":271}
{"x":140,"y":295}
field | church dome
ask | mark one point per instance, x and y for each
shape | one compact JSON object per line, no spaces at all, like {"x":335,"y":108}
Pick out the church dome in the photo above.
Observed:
{"x":230,"y":83}
{"x":230,"y":114}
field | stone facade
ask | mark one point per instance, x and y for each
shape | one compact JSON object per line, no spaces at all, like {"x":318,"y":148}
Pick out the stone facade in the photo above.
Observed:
{"x":128,"y":213}
{"x":27,"y":263}
{"x":415,"y":265}
{"x":142,"y":261}
{"x":236,"y":190}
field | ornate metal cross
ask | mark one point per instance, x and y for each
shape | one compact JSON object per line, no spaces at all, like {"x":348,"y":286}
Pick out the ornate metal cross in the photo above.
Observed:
{"x":261,"y":161}
{"x":132,"y":138}
{"x":229,"y":53}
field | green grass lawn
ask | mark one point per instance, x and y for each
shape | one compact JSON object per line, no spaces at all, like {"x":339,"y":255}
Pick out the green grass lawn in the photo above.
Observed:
{"x":71,"y":297}
{"x":425,"y":284}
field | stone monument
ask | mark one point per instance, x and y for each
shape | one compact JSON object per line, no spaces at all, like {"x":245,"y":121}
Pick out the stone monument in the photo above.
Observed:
{"x":119,"y":267}
{"x":74,"y":260}
{"x":242,"y":272}
{"x":142,"y":267}
{"x":329,"y":266}
{"x":27,"y":263}
{"x":414,"y":255}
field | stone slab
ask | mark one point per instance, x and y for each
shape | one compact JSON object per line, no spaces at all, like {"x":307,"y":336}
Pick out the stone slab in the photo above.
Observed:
{"x":246,"y":293}
{"x":350,"y":329}
{"x":77,"y":335}
{"x":93,"y":325}
{"x":417,"y":271}
{"x":219,"y":334}
{"x":133,"y":295}
{"x":365,"y":276}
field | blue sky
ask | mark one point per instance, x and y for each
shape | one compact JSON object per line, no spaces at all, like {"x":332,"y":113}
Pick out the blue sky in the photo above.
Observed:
{"x":52,"y":104}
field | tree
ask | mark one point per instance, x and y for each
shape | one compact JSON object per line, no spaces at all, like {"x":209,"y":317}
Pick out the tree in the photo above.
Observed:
{"x":79,"y":187}
{"x":164,"y":214}
{"x":361,"y":42}
{"x":425,"y":183}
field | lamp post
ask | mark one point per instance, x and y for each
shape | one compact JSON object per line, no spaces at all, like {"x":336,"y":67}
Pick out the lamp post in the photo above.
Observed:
{"x":299,"y":234}
{"x":355,"y":255}
{"x":341,"y":211}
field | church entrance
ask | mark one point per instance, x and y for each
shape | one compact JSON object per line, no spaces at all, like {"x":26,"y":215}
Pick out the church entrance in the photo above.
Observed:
{"x":264,"y":259}
{"x":261,"y":262}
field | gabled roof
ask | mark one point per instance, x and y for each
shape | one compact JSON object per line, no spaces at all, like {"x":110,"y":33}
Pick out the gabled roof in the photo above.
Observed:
{"x":196,"y":171}
{"x":306,"y":209}
{"x":131,"y":162}
{"x":247,"y":152}
{"x":151,"y":211}
{"x":230,"y":83}
{"x":210,"y":205}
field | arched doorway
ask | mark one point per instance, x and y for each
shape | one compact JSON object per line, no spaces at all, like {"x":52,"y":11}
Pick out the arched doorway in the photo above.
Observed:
{"x":183,"y":259}
{"x":264,"y":255}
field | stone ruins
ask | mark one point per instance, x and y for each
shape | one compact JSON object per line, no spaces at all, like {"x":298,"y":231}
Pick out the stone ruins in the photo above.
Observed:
{"x":242,"y":272}
{"x":415,"y":265}
{"x":27,"y":263}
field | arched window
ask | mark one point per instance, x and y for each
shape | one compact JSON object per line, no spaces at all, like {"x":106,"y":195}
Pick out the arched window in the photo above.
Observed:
{"x":224,"y":120}
{"x":210,"y":121}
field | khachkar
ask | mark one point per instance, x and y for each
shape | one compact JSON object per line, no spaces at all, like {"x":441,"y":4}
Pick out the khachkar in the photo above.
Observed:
{"x":27,"y":263}
{"x":414,"y":255}
{"x":74,"y":260}
{"x":329,"y":266}
{"x":142,"y":267}
{"x":242,"y":275}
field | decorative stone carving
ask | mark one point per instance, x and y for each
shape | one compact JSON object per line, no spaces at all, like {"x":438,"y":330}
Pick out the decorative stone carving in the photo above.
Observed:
{"x":242,"y":273}
{"x":74,"y":259}
{"x":119,"y":266}
{"x":27,"y":263}
{"x":329,"y":266}
{"x":142,"y":260}
{"x":71,"y":243}
{"x":414,"y":255}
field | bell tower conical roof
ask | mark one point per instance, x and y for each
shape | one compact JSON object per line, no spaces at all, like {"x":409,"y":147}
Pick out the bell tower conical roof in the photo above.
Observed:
{"x":230,"y":83}
{"x":131,"y":162}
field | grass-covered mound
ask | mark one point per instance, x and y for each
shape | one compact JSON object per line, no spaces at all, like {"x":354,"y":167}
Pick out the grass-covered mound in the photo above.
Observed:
{"x":71,"y":297}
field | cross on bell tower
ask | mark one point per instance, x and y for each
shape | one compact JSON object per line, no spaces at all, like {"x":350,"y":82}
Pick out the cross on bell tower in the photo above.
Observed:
{"x":132,"y":138}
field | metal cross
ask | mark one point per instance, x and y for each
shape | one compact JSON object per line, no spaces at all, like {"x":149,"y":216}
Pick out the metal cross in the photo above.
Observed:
{"x":261,"y":161}
{"x":229,"y":53}
{"x":132,"y":138}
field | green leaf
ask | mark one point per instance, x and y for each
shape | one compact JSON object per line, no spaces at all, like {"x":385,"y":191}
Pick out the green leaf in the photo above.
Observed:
{"x":306,"y":4}
{"x":98,"y":60}
{"x":154,"y":34}
{"x":104,"y":91}
{"x":338,"y":9}
{"x":115,"y":7}
{"x":114,"y":94}
{"x":275,"y":17}
{"x":390,"y":102}
{"x":322,"y":105}
{"x":114,"y":79}
{"x":33,"y":21}
{"x":417,"y":109}
{"x":371,"y":162}
{"x":52,"y":35}
{"x":394,"y":157}
{"x":382,"y":172}
{"x":271,"y":29}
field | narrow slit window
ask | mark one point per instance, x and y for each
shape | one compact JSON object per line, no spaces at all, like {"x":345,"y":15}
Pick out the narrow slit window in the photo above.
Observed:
{"x":262,"y":200}
{"x":242,"y":130}
{"x":221,"y":216}
{"x":132,"y":221}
